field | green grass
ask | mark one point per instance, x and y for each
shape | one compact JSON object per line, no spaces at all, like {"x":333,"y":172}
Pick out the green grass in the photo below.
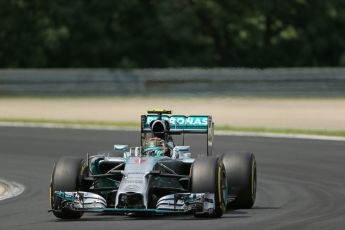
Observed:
{"x":73,"y":122}
{"x":339,"y":133}
{"x":121,"y":97}
{"x":320,"y":132}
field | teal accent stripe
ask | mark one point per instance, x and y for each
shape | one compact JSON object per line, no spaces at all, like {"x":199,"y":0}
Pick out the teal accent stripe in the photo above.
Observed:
{"x":140,"y":210}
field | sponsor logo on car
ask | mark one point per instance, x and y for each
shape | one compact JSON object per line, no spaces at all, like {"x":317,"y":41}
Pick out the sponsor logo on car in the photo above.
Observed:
{"x":181,"y":120}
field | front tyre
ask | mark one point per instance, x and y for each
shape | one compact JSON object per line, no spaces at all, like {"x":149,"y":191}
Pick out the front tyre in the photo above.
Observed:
{"x":65,"y":177}
{"x":208,"y":176}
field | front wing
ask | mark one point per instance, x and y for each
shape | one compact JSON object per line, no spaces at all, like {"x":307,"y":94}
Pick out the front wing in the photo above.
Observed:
{"x":178,"y":203}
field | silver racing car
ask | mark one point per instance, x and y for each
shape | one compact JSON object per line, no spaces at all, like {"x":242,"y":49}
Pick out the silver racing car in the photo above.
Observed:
{"x":157,"y":177}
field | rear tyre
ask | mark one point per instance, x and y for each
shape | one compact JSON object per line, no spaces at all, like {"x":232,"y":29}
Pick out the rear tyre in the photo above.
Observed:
{"x":241,"y":178}
{"x":65,"y":177}
{"x":208,"y":175}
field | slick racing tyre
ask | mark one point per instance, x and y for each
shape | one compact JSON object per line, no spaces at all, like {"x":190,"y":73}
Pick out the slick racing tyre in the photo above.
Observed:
{"x":208,"y":175}
{"x":242,"y":179}
{"x":65,"y":177}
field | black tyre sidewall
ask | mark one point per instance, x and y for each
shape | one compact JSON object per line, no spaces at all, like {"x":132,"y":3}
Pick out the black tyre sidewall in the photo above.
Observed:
{"x":65,"y":177}
{"x":206,"y":173}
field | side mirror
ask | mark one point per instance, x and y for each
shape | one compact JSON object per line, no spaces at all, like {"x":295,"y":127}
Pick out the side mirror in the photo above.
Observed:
{"x":181,"y":152}
{"x":182,"y":148}
{"x":121,"y":147}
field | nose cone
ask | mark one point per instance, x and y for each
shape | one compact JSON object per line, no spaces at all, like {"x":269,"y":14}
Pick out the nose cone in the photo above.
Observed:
{"x":133,"y":190}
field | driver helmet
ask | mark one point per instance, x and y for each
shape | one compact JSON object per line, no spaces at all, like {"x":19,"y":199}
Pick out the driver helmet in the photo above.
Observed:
{"x":155,"y":147}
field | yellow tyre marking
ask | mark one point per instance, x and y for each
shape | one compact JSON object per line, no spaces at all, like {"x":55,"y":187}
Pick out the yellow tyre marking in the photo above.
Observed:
{"x":253,"y":179}
{"x":219,"y":185}
{"x":220,"y":191}
{"x":50,"y":192}
{"x":51,"y":188}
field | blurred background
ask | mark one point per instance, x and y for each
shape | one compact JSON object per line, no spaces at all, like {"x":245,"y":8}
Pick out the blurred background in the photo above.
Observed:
{"x":185,"y":33}
{"x":269,"y":65}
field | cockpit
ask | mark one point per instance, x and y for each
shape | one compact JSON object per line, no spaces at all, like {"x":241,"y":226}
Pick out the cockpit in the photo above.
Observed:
{"x":155,"y":146}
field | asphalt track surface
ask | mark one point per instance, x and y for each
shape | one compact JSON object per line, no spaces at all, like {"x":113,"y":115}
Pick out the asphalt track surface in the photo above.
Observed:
{"x":300,"y":182}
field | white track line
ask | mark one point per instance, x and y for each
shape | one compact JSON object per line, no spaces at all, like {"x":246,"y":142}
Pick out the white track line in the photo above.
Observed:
{"x":10,"y":189}
{"x":220,"y":133}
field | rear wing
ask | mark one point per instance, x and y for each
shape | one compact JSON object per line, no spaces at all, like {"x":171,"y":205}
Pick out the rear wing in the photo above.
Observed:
{"x":180,"y":124}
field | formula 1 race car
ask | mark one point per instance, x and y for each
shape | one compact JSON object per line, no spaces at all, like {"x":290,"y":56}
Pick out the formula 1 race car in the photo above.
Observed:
{"x":157,"y":177}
